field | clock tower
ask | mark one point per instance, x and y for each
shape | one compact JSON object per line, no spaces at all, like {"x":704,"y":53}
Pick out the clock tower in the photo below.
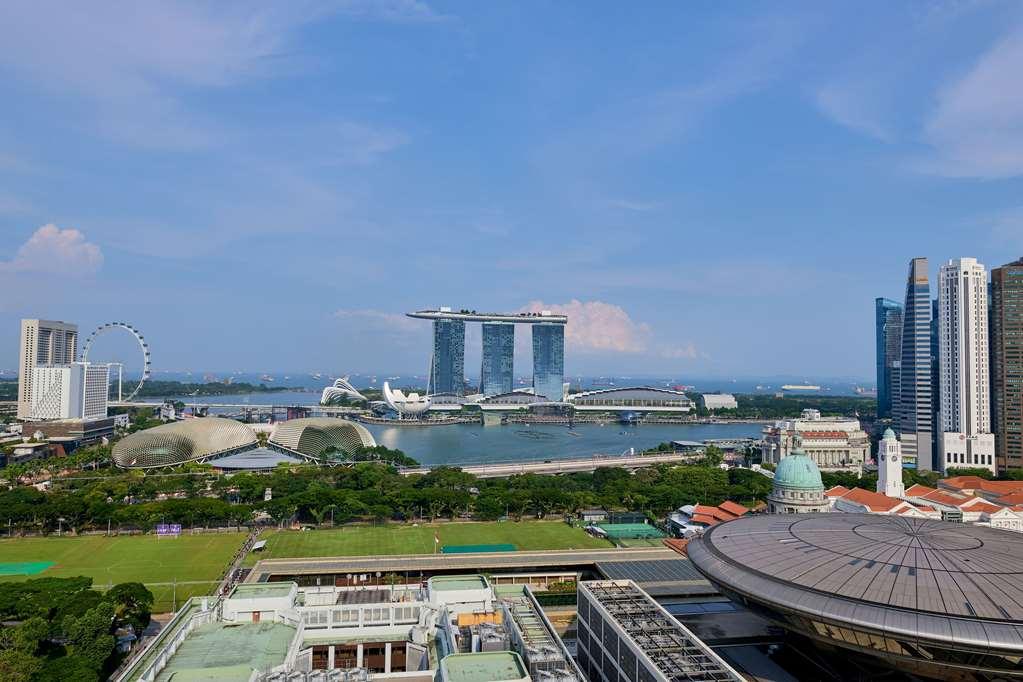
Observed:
{"x":889,"y":465}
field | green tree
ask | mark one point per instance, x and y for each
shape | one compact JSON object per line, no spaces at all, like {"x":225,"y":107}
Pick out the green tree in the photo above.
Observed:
{"x":133,"y":604}
{"x":17,"y":666}
{"x":89,"y":636}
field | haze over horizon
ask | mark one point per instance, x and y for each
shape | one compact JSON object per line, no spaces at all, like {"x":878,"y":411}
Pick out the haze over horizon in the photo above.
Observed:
{"x":706,"y":191}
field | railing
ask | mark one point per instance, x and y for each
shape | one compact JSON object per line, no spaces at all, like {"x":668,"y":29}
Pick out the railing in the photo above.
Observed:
{"x":163,"y":646}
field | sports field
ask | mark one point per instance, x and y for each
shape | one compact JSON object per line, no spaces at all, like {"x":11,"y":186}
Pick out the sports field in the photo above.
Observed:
{"x":408,"y":539}
{"x":194,"y":562}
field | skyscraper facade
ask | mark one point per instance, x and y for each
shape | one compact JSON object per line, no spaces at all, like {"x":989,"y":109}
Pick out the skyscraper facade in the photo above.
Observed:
{"x":914,"y":404}
{"x":497,"y":372}
{"x":1007,"y":363}
{"x":965,"y":408}
{"x":447,"y":371}
{"x":549,"y":360}
{"x":43,"y":342}
{"x":888,"y":336}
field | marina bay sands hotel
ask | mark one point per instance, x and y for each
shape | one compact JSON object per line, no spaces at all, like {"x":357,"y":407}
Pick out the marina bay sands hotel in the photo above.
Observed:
{"x":447,"y":368}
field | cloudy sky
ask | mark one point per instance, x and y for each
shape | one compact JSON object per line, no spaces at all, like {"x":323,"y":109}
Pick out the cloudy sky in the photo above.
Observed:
{"x":707,"y":189}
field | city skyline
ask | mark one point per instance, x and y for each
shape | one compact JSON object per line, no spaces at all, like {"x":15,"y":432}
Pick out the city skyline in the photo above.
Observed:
{"x":258,"y":188}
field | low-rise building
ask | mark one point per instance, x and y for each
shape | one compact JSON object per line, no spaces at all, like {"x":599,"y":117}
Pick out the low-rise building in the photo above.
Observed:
{"x":453,"y":628}
{"x":833,"y":443}
{"x":717,"y":401}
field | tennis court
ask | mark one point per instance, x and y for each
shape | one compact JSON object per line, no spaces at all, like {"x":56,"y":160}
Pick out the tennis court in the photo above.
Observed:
{"x":471,"y":549}
{"x":24,"y":567}
{"x":630,"y":531}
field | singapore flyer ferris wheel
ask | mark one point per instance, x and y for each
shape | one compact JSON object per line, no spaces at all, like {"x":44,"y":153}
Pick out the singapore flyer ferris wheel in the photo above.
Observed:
{"x":143,"y":346}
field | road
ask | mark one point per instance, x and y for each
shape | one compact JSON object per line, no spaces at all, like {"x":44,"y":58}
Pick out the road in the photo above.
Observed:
{"x":564,"y":466}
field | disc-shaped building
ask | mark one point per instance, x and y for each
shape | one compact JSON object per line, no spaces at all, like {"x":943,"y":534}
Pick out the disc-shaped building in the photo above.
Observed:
{"x":939,"y":599}
{"x":190,"y":440}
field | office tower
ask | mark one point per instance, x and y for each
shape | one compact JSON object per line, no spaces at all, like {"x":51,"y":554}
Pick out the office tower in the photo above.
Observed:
{"x":497,"y":371}
{"x":43,"y":342}
{"x":549,"y":360}
{"x":965,"y":409}
{"x":888,"y":331}
{"x":73,"y":391}
{"x":1007,"y":363}
{"x":914,"y":419}
{"x":935,"y":379}
{"x":447,"y":371}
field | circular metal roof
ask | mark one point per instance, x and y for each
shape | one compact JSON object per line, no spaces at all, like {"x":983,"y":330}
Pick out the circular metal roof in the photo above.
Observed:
{"x":919,"y":577}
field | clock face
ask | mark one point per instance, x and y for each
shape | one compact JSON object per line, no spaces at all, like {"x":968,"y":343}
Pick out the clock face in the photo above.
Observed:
{"x":894,"y":458}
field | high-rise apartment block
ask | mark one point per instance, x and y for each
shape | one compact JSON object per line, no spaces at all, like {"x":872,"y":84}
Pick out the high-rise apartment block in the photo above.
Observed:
{"x":1007,"y":363}
{"x":913,"y":403}
{"x":77,"y":390}
{"x":964,"y":366}
{"x":888,"y":338}
{"x":497,"y":373}
{"x":43,"y":342}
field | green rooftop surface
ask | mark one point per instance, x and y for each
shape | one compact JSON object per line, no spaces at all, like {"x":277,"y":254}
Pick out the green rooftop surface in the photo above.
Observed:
{"x":495,"y":666}
{"x":261,"y":590}
{"x":458,"y":582}
{"x":477,"y":549}
{"x":227,"y":652}
{"x":24,"y":567}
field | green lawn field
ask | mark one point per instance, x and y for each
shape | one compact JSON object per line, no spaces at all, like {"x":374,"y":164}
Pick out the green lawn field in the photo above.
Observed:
{"x":408,"y":539}
{"x":194,"y":562}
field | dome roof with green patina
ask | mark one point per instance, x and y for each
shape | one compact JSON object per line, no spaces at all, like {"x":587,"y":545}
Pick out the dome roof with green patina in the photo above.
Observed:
{"x":889,"y":434}
{"x":798,"y":470}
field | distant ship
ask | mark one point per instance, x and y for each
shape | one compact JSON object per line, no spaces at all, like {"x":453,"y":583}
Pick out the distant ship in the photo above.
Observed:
{"x":800,"y":387}
{"x":265,"y":377}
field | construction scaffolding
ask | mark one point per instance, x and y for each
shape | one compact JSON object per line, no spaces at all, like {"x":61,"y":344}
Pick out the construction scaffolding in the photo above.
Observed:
{"x":676,"y":653}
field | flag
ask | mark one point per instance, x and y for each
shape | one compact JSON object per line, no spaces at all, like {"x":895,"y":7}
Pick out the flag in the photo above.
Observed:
{"x":436,"y":538}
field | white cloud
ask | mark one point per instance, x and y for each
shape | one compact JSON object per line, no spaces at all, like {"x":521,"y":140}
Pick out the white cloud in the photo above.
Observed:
{"x":597,"y":326}
{"x":130,"y":66}
{"x":855,"y":106}
{"x":378,"y":320}
{"x":360,"y":144}
{"x":684,"y":352}
{"x":634,"y":205}
{"x":976,"y":130}
{"x":53,"y":250}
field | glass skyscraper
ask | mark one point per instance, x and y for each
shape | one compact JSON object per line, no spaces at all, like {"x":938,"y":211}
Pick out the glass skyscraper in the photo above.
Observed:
{"x":1007,"y":363}
{"x":888,"y":330}
{"x":497,"y":371}
{"x":914,"y":405}
{"x":447,"y":371}
{"x":549,"y":360}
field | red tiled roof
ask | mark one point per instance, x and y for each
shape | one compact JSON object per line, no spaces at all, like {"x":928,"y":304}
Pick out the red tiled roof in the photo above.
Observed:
{"x":677,"y":544}
{"x":947,"y":499}
{"x":704,"y":519}
{"x":917,"y":490}
{"x":715,"y":512}
{"x":925,"y":508}
{"x":733,"y":508}
{"x":978,"y":483}
{"x":875,"y":502}
{"x":982,"y":507}
{"x":836,"y":491}
{"x":1010,"y":499}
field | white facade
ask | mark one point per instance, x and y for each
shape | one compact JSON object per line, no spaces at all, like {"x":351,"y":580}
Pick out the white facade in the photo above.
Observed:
{"x":964,"y":451}
{"x":73,"y":391}
{"x":831,"y":442}
{"x":43,"y":342}
{"x":889,"y":466}
{"x":718,"y":401}
{"x":965,"y":409}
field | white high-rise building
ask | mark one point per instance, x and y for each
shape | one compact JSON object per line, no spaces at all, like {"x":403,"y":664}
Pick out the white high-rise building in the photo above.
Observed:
{"x":43,"y":342}
{"x":965,"y":410}
{"x":77,"y":390}
{"x":889,"y":465}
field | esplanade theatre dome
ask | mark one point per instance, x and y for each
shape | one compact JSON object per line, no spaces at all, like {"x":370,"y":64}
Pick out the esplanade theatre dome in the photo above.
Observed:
{"x":314,"y":435}
{"x":189,"y":440}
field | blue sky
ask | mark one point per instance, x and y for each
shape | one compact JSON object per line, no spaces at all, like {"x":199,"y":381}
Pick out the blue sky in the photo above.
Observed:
{"x":708,"y":189}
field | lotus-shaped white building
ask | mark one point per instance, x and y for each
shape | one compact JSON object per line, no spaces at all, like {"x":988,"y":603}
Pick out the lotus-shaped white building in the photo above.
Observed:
{"x":341,"y":388}
{"x":409,"y":405}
